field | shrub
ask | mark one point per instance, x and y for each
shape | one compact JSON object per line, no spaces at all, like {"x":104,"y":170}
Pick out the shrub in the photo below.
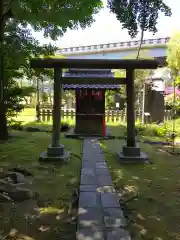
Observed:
{"x":15,"y":125}
{"x":169,"y":102}
{"x":163,"y":130}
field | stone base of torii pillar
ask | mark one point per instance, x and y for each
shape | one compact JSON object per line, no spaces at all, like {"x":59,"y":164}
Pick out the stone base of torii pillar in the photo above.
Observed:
{"x":132,"y":155}
{"x":55,"y":154}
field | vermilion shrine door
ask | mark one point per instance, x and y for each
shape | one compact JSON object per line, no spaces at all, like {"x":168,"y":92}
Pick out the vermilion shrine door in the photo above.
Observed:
{"x":90,"y":110}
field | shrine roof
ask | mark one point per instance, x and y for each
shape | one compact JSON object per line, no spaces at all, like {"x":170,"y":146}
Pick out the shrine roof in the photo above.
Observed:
{"x":90,"y":73}
{"x":90,"y":86}
{"x":80,"y":73}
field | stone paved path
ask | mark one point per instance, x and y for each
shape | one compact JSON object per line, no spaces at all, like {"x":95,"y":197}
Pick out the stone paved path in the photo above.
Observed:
{"x":99,"y":215}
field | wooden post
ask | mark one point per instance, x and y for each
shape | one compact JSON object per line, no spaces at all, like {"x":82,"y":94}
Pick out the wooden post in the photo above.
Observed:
{"x":43,"y":114}
{"x":48,"y":115}
{"x":130,"y":108}
{"x":56,"y":108}
{"x":113,"y":115}
{"x":143,"y":102}
{"x":3,"y":119}
{"x":72,"y":115}
{"x":37,"y":101}
{"x":117,"y":115}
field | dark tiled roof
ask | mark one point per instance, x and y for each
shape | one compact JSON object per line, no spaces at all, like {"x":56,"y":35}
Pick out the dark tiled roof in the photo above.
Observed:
{"x":92,"y":73}
{"x":88,"y":73}
{"x":91,"y":86}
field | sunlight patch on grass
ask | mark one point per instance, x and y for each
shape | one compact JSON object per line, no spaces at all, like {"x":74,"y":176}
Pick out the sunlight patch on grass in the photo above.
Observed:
{"x":15,"y":234}
{"x":118,"y":173}
{"x":102,"y":145}
{"x":50,"y":210}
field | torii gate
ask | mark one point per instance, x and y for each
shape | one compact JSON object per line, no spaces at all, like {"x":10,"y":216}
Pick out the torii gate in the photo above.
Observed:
{"x":131,"y":152}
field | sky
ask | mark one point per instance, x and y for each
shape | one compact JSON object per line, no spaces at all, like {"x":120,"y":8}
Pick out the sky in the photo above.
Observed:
{"x":107,"y":28}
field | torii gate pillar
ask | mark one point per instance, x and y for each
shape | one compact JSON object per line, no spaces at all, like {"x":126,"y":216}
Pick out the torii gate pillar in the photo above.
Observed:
{"x":55,"y":151}
{"x":131,"y":153}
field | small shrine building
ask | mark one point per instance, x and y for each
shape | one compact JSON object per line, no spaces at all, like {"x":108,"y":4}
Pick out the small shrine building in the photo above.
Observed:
{"x":90,"y":101}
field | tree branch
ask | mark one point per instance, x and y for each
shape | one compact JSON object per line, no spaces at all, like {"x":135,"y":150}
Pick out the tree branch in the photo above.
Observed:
{"x":6,"y":12}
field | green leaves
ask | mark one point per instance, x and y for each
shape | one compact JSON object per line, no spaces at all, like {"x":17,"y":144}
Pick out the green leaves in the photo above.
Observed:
{"x":54,"y":17}
{"x":169,"y":101}
{"x":19,"y":47}
{"x":134,"y":14}
{"x":173,"y":54}
{"x":18,"y":18}
{"x":173,"y":57}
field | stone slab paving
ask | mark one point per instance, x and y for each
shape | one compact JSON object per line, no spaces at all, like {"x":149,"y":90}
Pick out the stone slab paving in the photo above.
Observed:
{"x":99,"y":214}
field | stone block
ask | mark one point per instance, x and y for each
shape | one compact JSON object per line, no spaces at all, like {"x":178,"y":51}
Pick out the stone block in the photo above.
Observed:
{"x":131,"y":151}
{"x":55,"y":151}
{"x":89,"y":234}
{"x":90,"y":217}
{"x":88,"y":157}
{"x":88,"y":171}
{"x":100,"y":157}
{"x":104,"y":180}
{"x":102,"y":171}
{"x":118,"y":234}
{"x":88,"y":179}
{"x":89,"y":199}
{"x":109,"y":199}
{"x":101,"y":165}
{"x":90,"y":165}
{"x":143,"y":158}
{"x":65,"y":158}
{"x":88,"y":188}
{"x":113,"y":218}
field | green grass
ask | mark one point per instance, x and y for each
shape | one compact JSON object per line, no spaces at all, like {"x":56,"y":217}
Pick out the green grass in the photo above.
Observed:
{"x":152,"y":191}
{"x":26,"y":115}
{"x":45,"y":217}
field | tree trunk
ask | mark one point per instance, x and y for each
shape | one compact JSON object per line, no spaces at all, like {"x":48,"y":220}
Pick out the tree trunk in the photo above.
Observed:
{"x":140,"y":45}
{"x":138,"y":53}
{"x":3,"y":120}
{"x":37,"y":102}
{"x":50,"y":98}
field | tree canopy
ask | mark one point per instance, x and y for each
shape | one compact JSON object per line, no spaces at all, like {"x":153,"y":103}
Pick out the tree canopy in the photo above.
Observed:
{"x":52,"y":17}
{"x":17,"y":45}
{"x":173,"y":57}
{"x":135,"y":14}
{"x":138,"y":14}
